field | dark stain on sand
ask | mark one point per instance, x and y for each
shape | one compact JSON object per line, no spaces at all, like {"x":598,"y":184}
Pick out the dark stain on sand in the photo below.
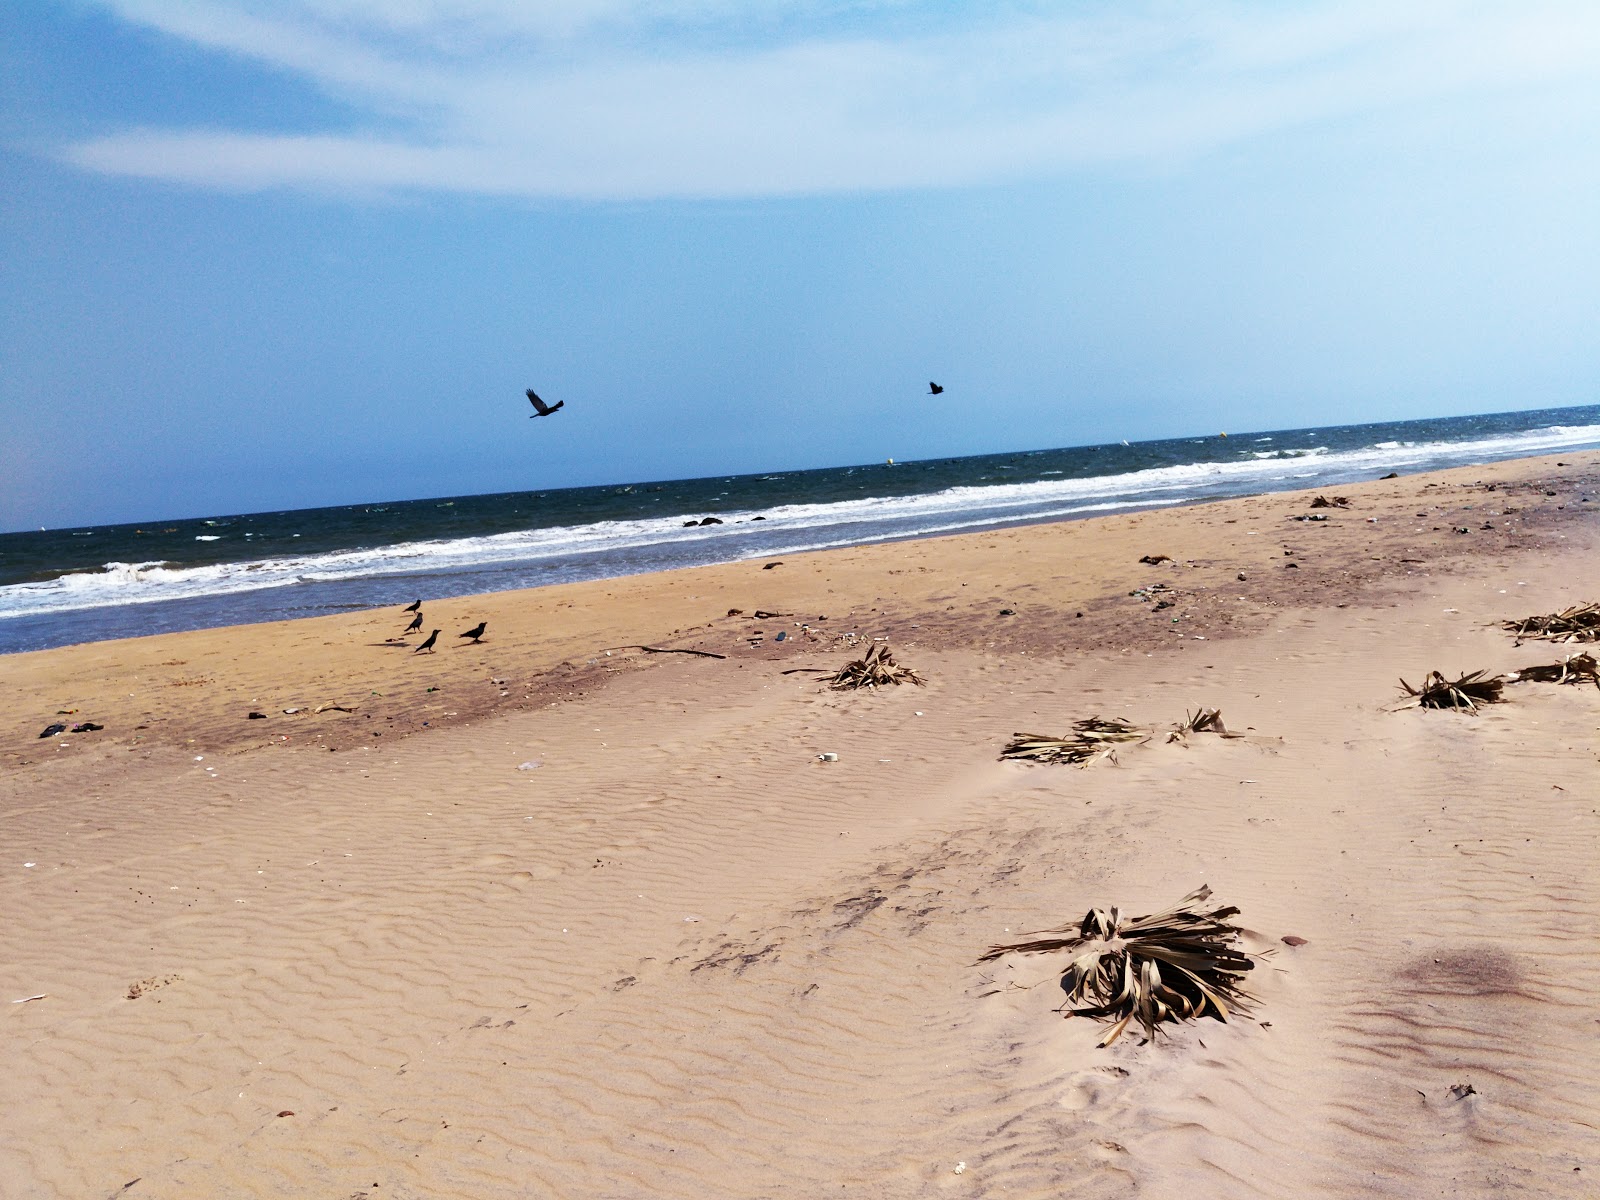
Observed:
{"x":1467,"y":971}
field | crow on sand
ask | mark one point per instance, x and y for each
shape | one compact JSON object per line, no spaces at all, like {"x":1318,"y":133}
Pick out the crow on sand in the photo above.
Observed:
{"x":416,"y":624}
{"x":428,"y":645}
{"x":541,"y":409}
{"x":933,"y":388}
{"x":475,"y":632}
{"x":414,"y":606}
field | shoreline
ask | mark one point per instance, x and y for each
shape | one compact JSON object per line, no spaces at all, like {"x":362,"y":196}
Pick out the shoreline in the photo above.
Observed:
{"x":196,"y":687}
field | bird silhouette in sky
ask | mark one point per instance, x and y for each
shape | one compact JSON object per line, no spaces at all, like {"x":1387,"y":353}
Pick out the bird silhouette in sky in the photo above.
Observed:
{"x":541,"y":409}
{"x":414,"y":606}
{"x":416,"y":624}
{"x":428,"y":645}
{"x":933,"y":388}
{"x":475,"y":632}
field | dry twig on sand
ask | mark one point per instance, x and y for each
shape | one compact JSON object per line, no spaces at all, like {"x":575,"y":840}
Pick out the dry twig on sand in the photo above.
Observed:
{"x":1336,"y":502}
{"x":1174,"y":965}
{"x":1090,"y":739}
{"x":1580,"y":623}
{"x":1575,"y":668}
{"x":873,"y":669}
{"x":1465,"y":693}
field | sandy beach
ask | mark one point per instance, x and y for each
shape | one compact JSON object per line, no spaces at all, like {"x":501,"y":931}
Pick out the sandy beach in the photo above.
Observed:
{"x":558,"y":915}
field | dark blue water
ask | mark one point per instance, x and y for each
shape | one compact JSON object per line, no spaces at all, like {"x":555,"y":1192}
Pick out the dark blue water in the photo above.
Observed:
{"x":75,"y":585}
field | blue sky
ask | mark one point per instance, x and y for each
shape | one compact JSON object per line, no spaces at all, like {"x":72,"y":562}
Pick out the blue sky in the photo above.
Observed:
{"x":264,"y":255}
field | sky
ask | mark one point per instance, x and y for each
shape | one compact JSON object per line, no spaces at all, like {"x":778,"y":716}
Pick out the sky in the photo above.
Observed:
{"x":267,"y":254}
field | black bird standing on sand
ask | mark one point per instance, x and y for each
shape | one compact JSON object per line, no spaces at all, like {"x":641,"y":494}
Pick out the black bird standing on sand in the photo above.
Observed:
{"x":416,"y":624}
{"x":414,"y":606}
{"x":428,"y":645}
{"x":475,"y":632}
{"x":541,"y":409}
{"x":933,"y":388}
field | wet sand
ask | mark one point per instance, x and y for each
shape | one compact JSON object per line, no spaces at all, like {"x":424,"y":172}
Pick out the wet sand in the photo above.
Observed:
{"x":538,"y":919}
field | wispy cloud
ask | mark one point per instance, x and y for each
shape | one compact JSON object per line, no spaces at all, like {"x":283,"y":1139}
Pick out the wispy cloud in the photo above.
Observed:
{"x":620,"y":98}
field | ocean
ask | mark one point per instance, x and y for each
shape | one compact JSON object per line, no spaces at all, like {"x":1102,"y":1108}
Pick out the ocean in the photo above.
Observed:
{"x":78,"y":585}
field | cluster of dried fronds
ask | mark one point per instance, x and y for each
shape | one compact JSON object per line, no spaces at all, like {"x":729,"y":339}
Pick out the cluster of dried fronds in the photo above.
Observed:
{"x":1575,"y":668}
{"x":1203,"y":720}
{"x":1336,"y":502}
{"x":876,"y":668}
{"x":1465,"y":693}
{"x":1090,"y":739}
{"x":1580,"y":623}
{"x":1173,"y":965}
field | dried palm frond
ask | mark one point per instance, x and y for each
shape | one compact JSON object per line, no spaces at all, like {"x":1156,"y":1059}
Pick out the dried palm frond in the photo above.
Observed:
{"x":1336,"y":502}
{"x":1580,"y":623}
{"x":1465,"y":693}
{"x":1174,"y":965}
{"x":1204,"y":720}
{"x":1575,"y":668}
{"x":1090,"y":739}
{"x":873,"y":669}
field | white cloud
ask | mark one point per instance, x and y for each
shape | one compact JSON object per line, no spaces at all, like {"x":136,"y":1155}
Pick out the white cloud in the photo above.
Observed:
{"x":619,"y":98}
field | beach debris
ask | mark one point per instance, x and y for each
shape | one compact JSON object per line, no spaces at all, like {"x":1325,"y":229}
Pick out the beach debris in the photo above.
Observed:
{"x":1390,"y":475}
{"x":52,"y":730}
{"x":87,"y":727}
{"x":769,"y":566}
{"x":1580,"y":623}
{"x":762,"y":614}
{"x":1008,"y":612}
{"x":287,"y":1113}
{"x":334,"y":706}
{"x":1156,"y":559}
{"x":256,"y":716}
{"x":533,"y":764}
{"x":66,"y":712}
{"x":1335,"y":502}
{"x":1309,"y":517}
{"x":1461,"y":1091}
{"x":1091,"y":738}
{"x":1174,"y":965}
{"x":30,"y":999}
{"x":827,"y":756}
{"x":782,"y":635}
{"x":1575,"y":668}
{"x":289,"y":712}
{"x":1290,"y":939}
{"x":1202,"y":720}
{"x":736,"y":612}
{"x":876,"y":668}
{"x":1465,"y":693}
{"x":668,"y":650}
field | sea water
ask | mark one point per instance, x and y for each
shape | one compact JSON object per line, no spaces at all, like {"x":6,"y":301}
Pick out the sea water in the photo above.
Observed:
{"x":77,"y":585}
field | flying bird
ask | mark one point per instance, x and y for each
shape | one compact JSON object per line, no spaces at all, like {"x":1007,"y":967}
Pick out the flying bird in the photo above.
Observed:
{"x":416,"y":623}
{"x":933,"y":388}
{"x":414,"y":606}
{"x":540,"y":408}
{"x":428,"y":645}
{"x":475,"y":632}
